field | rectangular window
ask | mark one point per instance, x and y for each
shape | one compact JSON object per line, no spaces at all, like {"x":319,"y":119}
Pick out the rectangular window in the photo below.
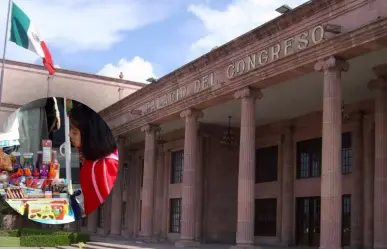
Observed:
{"x":266,"y":164}
{"x":123,"y":212}
{"x":142,"y":172}
{"x":125,"y":176}
{"x":175,"y":215}
{"x":101,"y":216}
{"x":309,"y":158}
{"x":346,"y":153}
{"x":140,"y":215}
{"x":177,"y":163}
{"x":265,"y":217}
{"x":346,"y":220}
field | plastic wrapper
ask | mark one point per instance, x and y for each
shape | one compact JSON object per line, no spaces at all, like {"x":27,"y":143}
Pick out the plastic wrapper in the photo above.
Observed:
{"x":5,"y":161}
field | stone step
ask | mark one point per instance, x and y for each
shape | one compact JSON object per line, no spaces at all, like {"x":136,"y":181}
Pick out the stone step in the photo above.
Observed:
{"x":110,"y":245}
{"x":90,"y":246}
{"x":67,"y":247}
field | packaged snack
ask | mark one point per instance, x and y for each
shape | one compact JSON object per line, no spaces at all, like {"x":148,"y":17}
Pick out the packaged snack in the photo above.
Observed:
{"x":47,"y":146}
{"x":54,"y":165}
{"x":28,"y":161}
{"x":48,"y":194}
{"x":5,"y":161}
{"x":39,"y":159}
{"x":39,"y":211}
{"x":58,"y":210}
{"x":36,"y":174}
{"x":16,"y":160}
{"x":37,"y":183}
{"x":27,"y":171}
{"x":44,"y":171}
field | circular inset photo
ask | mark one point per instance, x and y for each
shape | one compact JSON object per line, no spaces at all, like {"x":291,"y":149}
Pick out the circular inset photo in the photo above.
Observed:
{"x":58,"y":160}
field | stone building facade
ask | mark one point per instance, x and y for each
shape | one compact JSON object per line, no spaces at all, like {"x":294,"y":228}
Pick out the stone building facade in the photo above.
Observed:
{"x":304,"y":159}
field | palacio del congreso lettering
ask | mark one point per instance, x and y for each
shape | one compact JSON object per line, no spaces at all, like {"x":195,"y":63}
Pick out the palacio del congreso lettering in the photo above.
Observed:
{"x":278,"y":137}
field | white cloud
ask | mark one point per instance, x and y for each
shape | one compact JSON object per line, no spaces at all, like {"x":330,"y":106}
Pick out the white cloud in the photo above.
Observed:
{"x":57,"y":66}
{"x":236,"y":19}
{"x":137,"y":69}
{"x":75,"y":25}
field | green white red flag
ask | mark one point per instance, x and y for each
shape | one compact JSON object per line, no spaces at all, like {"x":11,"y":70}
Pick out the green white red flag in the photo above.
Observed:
{"x":25,"y":35}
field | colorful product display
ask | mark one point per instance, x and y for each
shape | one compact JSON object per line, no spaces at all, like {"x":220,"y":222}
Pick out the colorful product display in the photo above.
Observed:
{"x":36,"y":189}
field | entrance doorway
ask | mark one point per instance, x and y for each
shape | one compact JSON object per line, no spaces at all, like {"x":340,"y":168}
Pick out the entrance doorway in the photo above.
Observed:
{"x":308,"y":221}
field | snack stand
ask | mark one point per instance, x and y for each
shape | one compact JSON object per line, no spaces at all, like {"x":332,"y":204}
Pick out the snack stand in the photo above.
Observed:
{"x":36,"y":189}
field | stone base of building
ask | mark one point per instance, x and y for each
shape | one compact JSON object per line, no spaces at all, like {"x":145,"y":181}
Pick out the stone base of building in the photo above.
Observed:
{"x":246,"y":247}
{"x":147,"y":239}
{"x":187,"y":243}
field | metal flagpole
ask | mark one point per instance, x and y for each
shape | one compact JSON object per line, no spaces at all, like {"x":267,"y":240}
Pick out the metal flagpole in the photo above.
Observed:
{"x":68,"y":150}
{"x":4,"y":50}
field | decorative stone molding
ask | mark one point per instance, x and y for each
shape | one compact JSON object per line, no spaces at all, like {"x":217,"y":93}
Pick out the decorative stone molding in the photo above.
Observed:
{"x":377,"y":83}
{"x":333,"y":63}
{"x":248,"y":92}
{"x":148,"y":128}
{"x":192,"y":112}
{"x":347,"y":42}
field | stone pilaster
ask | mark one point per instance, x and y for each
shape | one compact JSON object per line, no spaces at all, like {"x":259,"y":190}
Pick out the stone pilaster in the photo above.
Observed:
{"x":357,"y":184}
{"x":379,"y":87}
{"x":116,"y":214}
{"x":246,"y":173}
{"x":131,"y":196}
{"x":159,"y":194}
{"x":148,"y":181}
{"x":187,"y":235}
{"x":331,"y":183}
{"x":199,"y":191}
{"x":368,"y":181}
{"x":287,"y":188}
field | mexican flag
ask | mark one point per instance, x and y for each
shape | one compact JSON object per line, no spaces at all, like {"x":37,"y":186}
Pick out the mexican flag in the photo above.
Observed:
{"x":24,"y":34}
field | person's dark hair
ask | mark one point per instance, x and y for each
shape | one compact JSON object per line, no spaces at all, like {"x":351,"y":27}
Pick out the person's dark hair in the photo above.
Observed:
{"x":97,"y":140}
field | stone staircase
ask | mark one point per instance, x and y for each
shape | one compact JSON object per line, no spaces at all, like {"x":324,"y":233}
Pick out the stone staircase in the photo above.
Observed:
{"x":98,"y":245}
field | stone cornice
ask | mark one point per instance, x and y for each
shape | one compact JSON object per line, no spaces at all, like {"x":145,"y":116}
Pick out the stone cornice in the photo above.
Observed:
{"x":347,"y":45}
{"x":271,"y":32}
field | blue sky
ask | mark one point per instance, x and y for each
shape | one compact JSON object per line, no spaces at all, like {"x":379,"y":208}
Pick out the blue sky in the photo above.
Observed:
{"x":141,"y":38}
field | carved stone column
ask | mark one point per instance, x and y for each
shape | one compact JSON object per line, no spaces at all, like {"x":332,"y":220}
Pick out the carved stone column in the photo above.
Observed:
{"x":116,"y":214}
{"x":331,"y":189}
{"x":379,"y":87}
{"x":148,"y":182}
{"x":246,"y":174}
{"x":187,"y":235}
{"x":287,"y":188}
{"x":368,"y":180}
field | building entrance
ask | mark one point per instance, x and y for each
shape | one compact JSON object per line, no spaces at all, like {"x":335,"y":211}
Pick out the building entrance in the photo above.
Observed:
{"x":308,"y":221}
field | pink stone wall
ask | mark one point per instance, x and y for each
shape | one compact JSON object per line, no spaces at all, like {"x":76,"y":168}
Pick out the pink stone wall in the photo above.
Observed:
{"x":221,"y":192}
